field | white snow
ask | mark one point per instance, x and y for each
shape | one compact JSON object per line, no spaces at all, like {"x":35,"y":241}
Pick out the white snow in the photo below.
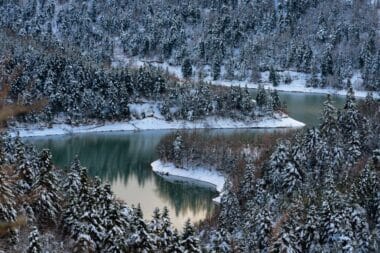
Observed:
{"x":298,"y":83}
{"x":152,"y":123}
{"x":204,"y":176}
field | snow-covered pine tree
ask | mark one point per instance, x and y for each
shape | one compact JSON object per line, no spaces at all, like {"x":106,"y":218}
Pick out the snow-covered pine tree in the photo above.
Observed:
{"x":230,"y":213}
{"x":277,"y":105}
{"x":187,"y":69}
{"x":178,"y":147}
{"x":140,"y":239}
{"x":47,"y":204}
{"x":277,"y":163}
{"x":258,"y":228}
{"x":189,"y":241}
{"x":116,"y":231}
{"x":155,"y":227}
{"x":8,"y":200}
{"x":248,"y":184}
{"x":310,"y":231}
{"x":168,"y":238}
{"x":285,"y":237}
{"x":35,"y":245}
{"x":72,"y":183}
{"x":220,"y":242}
{"x":261,"y":97}
{"x":273,"y":77}
{"x":292,"y":178}
{"x":329,"y":128}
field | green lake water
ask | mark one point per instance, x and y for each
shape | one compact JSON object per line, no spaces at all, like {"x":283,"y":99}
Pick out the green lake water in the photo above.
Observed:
{"x":123,"y":160}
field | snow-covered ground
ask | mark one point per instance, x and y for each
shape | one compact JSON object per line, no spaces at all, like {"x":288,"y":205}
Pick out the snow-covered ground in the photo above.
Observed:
{"x":152,"y":123}
{"x":197,"y":175}
{"x":298,"y":83}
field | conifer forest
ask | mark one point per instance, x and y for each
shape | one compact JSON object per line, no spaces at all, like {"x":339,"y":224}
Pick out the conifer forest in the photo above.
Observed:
{"x":189,"y":126}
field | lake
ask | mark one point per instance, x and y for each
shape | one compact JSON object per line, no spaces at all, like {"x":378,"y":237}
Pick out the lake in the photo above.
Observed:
{"x":123,"y":160}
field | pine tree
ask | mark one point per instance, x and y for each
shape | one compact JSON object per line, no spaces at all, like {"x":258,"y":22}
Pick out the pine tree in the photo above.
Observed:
{"x":261,"y":97}
{"x":47,"y":205}
{"x":84,"y":244}
{"x":292,"y":178}
{"x":220,"y":242}
{"x":216,"y":70}
{"x":277,"y":164}
{"x":310,"y":233}
{"x":7,"y":201}
{"x":73,"y":182}
{"x":276,"y":101}
{"x":329,"y":126}
{"x":286,"y":240}
{"x":259,"y":228}
{"x":140,"y":240}
{"x":169,"y":241}
{"x":189,"y":242}
{"x":187,"y":69}
{"x":273,"y":77}
{"x":350,"y":119}
{"x":34,"y":242}
{"x":248,"y":184}
{"x":230,"y":213}
{"x":178,"y":148}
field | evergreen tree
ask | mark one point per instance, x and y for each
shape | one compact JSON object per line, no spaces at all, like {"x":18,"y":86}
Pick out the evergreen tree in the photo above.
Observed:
{"x":7,"y":202}
{"x":73,"y":182}
{"x":329,"y":126}
{"x":220,"y":242}
{"x":261,"y":97}
{"x":34,"y":242}
{"x":178,"y":148}
{"x":230,"y":213}
{"x":187,"y":69}
{"x":140,"y":240}
{"x":273,"y":77}
{"x":327,"y":62}
{"x":216,"y":70}
{"x":276,"y":101}
{"x":189,"y":242}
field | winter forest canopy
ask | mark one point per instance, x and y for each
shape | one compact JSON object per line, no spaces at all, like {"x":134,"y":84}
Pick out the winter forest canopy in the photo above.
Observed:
{"x":331,"y":40}
{"x":312,"y":190}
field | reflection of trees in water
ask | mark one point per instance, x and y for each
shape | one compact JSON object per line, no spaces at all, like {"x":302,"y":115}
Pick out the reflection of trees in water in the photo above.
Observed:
{"x":115,"y":156}
{"x":107,"y":156}
{"x":185,"y":197}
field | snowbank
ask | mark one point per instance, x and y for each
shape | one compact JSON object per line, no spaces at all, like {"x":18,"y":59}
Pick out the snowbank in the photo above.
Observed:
{"x":198,"y":175}
{"x":153,"y":123}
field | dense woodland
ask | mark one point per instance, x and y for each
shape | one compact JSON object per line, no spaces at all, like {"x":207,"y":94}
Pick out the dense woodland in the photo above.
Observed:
{"x":78,"y":91}
{"x":314,"y":191}
{"x":332,"y":40}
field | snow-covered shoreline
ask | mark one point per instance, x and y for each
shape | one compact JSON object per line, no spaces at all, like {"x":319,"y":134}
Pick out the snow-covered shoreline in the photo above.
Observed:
{"x":199,"y":175}
{"x":152,"y":123}
{"x":294,"y":88}
{"x":297,"y":85}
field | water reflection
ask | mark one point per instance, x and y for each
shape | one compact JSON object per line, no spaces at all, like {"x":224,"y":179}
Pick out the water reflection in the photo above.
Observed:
{"x":123,"y":159}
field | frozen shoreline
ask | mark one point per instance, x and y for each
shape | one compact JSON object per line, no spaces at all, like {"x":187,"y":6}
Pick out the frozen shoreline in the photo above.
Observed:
{"x":197,"y":175}
{"x":152,"y":123}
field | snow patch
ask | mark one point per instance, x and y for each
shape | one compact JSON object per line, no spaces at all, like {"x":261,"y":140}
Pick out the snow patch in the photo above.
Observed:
{"x":298,"y":83}
{"x":153,"y":123}
{"x":204,"y":176}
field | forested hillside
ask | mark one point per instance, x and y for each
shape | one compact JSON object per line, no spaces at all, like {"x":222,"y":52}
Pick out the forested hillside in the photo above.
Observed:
{"x":332,"y":40}
{"x":315,"y":191}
